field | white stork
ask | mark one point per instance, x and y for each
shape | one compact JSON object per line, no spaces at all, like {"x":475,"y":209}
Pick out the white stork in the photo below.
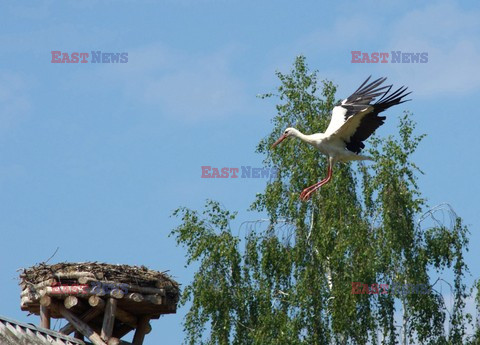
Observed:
{"x":353,"y":120}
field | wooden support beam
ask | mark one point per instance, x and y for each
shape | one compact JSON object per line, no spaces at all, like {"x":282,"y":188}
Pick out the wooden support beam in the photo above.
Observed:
{"x":85,"y":317}
{"x":145,"y":290}
{"x":120,"y":313}
{"x":155,"y":299}
{"x":109,"y":318}
{"x":79,"y":325}
{"x":98,"y":305}
{"x":140,"y":331}
{"x":44,"y":317}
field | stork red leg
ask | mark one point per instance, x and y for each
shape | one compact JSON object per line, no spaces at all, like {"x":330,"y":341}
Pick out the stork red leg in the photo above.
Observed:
{"x":308,"y":189}
{"x":307,"y":192}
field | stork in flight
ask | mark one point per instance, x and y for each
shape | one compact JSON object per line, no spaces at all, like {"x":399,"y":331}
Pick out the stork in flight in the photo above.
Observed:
{"x":353,"y":120}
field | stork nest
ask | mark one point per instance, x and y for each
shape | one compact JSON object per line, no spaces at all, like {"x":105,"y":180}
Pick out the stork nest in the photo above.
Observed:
{"x":137,"y":275}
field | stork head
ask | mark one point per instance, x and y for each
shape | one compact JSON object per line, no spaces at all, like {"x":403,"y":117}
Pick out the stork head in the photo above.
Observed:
{"x":287,"y":133}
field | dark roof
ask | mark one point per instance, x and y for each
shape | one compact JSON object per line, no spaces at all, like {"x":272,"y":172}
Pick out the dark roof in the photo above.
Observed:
{"x":18,"y":333}
{"x":14,"y":332}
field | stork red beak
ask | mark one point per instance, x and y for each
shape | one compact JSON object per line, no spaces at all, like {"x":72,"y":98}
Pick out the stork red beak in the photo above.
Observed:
{"x":282,"y":138}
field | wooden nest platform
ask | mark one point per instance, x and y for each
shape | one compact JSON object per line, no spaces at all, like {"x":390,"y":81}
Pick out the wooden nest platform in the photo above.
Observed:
{"x":102,"y":302}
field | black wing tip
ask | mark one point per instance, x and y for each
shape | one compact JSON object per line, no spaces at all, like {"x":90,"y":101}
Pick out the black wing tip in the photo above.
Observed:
{"x":396,"y":97}
{"x":367,"y":92}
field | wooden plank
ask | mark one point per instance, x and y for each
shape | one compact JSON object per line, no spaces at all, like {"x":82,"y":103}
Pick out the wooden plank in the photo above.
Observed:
{"x":109,"y":319}
{"x":121,"y":314}
{"x":44,"y":317}
{"x":140,"y":331}
{"x":85,"y":317}
{"x":79,"y":325}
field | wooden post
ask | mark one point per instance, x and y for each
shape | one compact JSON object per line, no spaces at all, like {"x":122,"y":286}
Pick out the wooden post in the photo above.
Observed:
{"x":44,"y":317}
{"x":140,"y":331}
{"x":109,"y":318}
{"x":80,"y":326}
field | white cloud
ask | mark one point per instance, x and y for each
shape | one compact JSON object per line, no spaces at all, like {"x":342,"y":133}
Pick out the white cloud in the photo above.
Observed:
{"x":448,"y":33}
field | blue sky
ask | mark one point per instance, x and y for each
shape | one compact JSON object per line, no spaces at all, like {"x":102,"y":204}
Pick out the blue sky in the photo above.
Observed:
{"x":92,"y":154}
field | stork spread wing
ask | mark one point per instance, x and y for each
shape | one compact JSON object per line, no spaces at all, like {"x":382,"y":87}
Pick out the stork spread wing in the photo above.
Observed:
{"x":355,"y":119}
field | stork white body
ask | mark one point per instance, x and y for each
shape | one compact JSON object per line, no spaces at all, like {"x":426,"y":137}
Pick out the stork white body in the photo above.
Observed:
{"x":329,"y":144}
{"x":352,"y":122}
